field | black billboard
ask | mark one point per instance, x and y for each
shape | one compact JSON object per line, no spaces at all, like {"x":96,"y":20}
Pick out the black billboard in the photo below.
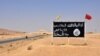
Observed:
{"x":68,"y":29}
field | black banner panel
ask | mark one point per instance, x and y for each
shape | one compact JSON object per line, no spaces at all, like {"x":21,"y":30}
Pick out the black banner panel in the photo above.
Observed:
{"x":68,"y":29}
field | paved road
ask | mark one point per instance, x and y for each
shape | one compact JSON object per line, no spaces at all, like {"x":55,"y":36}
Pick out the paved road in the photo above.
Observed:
{"x":22,"y":38}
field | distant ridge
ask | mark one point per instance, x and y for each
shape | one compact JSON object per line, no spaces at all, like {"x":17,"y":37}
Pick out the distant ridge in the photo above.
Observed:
{"x":7,"y":31}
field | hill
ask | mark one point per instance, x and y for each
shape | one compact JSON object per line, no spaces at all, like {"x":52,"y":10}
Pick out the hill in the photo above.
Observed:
{"x":7,"y":31}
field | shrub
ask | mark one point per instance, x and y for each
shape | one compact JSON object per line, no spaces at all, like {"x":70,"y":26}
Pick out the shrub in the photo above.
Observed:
{"x":29,"y":48}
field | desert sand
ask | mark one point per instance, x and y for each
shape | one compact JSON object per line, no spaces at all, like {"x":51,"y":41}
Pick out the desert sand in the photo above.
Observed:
{"x":46,"y":46}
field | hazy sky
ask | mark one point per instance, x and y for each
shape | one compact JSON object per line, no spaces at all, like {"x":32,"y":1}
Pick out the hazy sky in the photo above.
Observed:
{"x":31,"y":15}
